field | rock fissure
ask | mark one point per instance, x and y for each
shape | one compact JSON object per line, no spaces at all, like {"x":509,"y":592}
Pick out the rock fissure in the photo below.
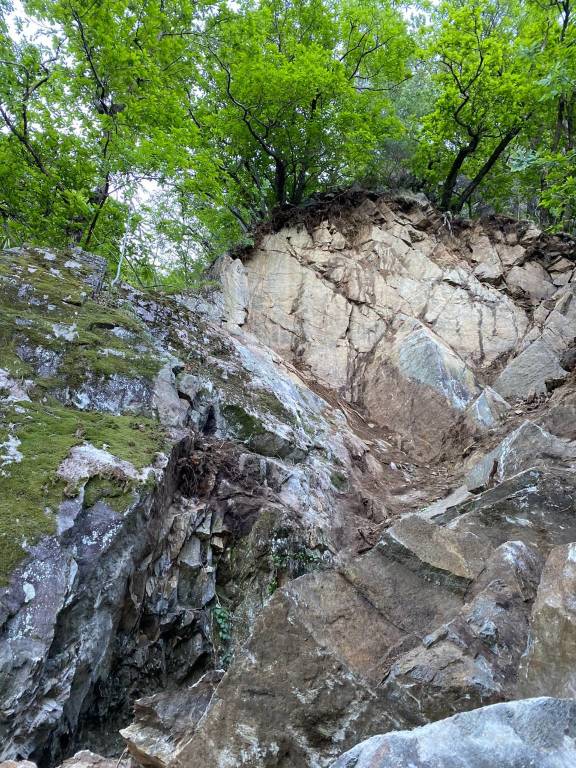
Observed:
{"x":330,"y":500}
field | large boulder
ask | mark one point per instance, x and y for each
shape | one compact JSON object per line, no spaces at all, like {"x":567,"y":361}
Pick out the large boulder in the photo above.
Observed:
{"x":308,"y":680}
{"x":535,"y":371}
{"x":533,"y":732}
{"x":531,"y":279}
{"x":472,"y":660}
{"x":548,"y":665}
{"x":527,"y":446}
{"x":162,"y":720}
{"x":536,"y":506}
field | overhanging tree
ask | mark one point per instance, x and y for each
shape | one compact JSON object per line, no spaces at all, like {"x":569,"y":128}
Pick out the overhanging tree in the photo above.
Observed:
{"x":293,"y":97}
{"x":487,"y":71}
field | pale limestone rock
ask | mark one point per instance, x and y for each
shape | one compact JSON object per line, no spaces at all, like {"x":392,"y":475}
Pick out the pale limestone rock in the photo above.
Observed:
{"x":421,"y":357}
{"x":290,"y":303}
{"x":511,"y":255}
{"x":561,"y":278}
{"x":88,"y":759}
{"x":531,"y":235}
{"x":534,"y":733}
{"x":534,"y":372}
{"x":540,"y":314}
{"x":562,"y":265}
{"x":170,"y":408}
{"x":559,"y":331}
{"x":277,"y":242}
{"x":338,"y":241}
{"x":490,"y":273}
{"x":475,"y":320}
{"x":322,"y":235}
{"x":365,"y":329}
{"x":488,"y":409}
{"x":531,"y":279}
{"x":12,"y":390}
{"x":235,"y":291}
{"x":299,"y":239}
{"x":399,"y":270}
{"x":450,"y":556}
{"x":528,"y":446}
{"x":426,"y":385}
{"x":351,"y":279}
{"x":85,"y":461}
{"x":485,"y":255}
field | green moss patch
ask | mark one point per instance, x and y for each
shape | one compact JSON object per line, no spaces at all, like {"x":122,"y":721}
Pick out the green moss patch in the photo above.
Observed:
{"x":116,"y":495}
{"x":339,"y":481}
{"x":30,"y":492}
{"x":32,"y":302}
{"x":269,"y":402}
{"x":245,"y":425}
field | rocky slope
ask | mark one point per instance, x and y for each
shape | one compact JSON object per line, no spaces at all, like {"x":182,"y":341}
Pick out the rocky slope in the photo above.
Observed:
{"x":333,"y":497}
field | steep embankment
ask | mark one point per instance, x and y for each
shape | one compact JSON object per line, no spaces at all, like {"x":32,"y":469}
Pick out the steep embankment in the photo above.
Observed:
{"x":346,"y":476}
{"x":160,"y":479}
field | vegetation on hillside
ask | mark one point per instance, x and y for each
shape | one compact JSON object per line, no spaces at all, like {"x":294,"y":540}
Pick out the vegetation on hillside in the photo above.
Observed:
{"x":160,"y":132}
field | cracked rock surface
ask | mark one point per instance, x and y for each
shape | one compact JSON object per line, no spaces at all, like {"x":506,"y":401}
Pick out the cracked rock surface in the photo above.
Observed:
{"x":331,"y":499}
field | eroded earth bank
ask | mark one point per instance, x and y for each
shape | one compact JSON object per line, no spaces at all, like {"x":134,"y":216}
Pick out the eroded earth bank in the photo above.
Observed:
{"x":322,"y":514}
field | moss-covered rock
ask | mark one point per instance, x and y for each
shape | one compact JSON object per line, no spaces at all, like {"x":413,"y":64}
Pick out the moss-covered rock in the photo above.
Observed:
{"x":42,"y":435}
{"x":75,"y":355}
{"x":56,"y":328}
{"x":141,"y":446}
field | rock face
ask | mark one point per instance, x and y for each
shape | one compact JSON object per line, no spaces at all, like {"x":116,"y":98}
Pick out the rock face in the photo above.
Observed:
{"x":406,"y":318}
{"x":162,"y":720}
{"x":128,"y":507}
{"x":330,"y":498}
{"x":528,"y":446}
{"x":535,"y":732}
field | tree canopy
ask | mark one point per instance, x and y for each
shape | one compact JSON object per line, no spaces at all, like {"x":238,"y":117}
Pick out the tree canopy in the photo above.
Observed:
{"x":165,"y":130}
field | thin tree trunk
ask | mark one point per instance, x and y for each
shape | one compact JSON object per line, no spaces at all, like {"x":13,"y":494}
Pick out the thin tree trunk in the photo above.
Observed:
{"x":97,"y":212}
{"x":280,"y":182}
{"x":450,"y":183}
{"x":559,"y":124}
{"x":487,"y":167}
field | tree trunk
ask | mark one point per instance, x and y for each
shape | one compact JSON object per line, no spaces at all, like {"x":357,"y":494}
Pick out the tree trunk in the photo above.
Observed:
{"x":487,"y":167}
{"x":103,"y":194}
{"x":450,"y":183}
{"x":559,"y":124}
{"x":280,"y":182}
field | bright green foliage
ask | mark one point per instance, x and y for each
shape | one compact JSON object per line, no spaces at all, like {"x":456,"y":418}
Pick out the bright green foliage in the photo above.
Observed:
{"x":49,"y":172}
{"x":501,"y":131}
{"x":487,"y":78}
{"x":555,"y":158}
{"x":159,"y":132}
{"x":294,"y":98}
{"x":233,"y":110}
{"x":87,"y":113}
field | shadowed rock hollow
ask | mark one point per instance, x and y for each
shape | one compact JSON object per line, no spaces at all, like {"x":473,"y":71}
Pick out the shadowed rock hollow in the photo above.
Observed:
{"x":331,"y":498}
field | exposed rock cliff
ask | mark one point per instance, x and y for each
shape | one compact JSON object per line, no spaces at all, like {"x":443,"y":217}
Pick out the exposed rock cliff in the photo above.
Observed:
{"x":333,"y":497}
